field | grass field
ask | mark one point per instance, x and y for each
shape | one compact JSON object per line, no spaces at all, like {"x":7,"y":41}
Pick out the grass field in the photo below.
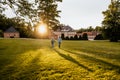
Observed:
{"x":34,"y":59}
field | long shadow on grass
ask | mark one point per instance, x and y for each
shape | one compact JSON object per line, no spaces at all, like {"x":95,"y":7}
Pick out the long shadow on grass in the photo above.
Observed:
{"x":3,"y":48}
{"x":32,"y":71}
{"x":95,"y":59}
{"x":101,"y":53}
{"x":68,"y":57}
{"x":20,"y":71}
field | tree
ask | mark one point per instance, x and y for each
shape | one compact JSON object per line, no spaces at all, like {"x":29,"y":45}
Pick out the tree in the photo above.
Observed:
{"x":99,"y":37}
{"x":66,"y":38}
{"x":25,"y":12}
{"x":16,"y":22}
{"x":22,"y":8}
{"x":48,"y":12}
{"x":33,"y":12}
{"x":98,"y":28}
{"x":71,"y":38}
{"x":75,"y":37}
{"x":1,"y":33}
{"x":80,"y":38}
{"x":85,"y":36}
{"x":90,"y":29}
{"x":63,"y":36}
{"x":81,"y":30}
{"x":111,"y":22}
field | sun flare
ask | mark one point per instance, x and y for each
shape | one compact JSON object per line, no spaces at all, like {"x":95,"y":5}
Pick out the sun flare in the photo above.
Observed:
{"x":42,"y":29}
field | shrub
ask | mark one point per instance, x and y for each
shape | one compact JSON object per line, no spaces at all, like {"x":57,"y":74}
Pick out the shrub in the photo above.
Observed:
{"x":1,"y":33}
{"x":67,"y":38}
{"x":71,"y":38}
{"x":80,"y":38}
{"x":85,"y":36}
{"x":99,"y":37}
{"x":75,"y":37}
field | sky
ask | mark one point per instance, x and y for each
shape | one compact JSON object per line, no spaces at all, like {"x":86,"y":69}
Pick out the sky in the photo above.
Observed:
{"x":82,"y":13}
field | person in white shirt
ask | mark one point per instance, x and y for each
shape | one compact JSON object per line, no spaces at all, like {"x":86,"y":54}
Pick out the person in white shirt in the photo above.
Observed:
{"x":59,"y":42}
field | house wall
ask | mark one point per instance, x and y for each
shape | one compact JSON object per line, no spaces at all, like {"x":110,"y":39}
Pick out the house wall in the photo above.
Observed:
{"x":69,"y":34}
{"x":11,"y":35}
{"x":91,"y":37}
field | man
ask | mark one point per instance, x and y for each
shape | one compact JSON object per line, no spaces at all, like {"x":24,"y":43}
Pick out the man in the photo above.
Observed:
{"x":59,"y":41}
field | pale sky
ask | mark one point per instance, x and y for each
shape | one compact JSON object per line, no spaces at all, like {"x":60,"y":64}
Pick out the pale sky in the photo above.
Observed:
{"x":82,"y":13}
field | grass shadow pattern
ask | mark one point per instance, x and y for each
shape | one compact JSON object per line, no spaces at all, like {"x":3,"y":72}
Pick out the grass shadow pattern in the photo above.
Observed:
{"x":30,"y":59}
{"x":98,"y":60}
{"x":68,"y":57}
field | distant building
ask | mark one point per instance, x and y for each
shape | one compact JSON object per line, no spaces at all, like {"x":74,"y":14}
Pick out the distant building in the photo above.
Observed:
{"x":11,"y":33}
{"x":67,"y":31}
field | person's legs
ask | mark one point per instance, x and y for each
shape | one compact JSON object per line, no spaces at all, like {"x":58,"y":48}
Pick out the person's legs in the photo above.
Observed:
{"x":52,"y":44}
{"x":59,"y":44}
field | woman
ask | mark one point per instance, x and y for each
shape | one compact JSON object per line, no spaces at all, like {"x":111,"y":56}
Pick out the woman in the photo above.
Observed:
{"x":52,"y":42}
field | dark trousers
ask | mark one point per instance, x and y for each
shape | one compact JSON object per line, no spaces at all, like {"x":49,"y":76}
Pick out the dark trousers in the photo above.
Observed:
{"x":59,"y":44}
{"x":52,"y":44}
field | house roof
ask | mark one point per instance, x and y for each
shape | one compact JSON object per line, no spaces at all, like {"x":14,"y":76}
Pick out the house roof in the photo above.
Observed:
{"x":65,"y":29}
{"x":93,"y":33}
{"x":11,"y":29}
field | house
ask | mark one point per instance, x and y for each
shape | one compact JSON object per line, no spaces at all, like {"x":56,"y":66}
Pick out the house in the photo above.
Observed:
{"x":67,"y":31}
{"x":11,"y":33}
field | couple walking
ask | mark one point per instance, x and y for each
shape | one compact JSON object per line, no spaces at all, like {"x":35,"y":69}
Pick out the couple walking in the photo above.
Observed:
{"x":59,"y":42}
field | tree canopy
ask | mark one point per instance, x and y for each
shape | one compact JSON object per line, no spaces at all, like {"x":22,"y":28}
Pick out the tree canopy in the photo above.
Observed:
{"x":111,"y":22}
{"x":47,"y":10}
{"x":33,"y":12}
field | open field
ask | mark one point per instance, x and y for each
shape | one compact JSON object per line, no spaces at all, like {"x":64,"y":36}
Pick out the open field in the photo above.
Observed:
{"x":34,"y":59}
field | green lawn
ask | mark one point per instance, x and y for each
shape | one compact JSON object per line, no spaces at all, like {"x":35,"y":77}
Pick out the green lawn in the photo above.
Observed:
{"x":34,"y":59}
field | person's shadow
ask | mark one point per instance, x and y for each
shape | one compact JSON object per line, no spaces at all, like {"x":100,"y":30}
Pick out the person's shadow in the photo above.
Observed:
{"x":68,"y":57}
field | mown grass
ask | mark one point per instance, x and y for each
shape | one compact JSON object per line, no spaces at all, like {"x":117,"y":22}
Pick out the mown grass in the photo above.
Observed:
{"x":34,"y":59}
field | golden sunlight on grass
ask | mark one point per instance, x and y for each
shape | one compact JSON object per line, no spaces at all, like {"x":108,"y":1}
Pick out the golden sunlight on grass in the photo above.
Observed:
{"x":34,"y":59}
{"x":42,"y":29}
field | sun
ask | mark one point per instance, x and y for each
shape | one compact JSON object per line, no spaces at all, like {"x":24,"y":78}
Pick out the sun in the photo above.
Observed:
{"x":42,"y":29}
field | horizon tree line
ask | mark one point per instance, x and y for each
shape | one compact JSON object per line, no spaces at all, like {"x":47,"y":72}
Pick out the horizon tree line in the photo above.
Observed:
{"x":30,"y":13}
